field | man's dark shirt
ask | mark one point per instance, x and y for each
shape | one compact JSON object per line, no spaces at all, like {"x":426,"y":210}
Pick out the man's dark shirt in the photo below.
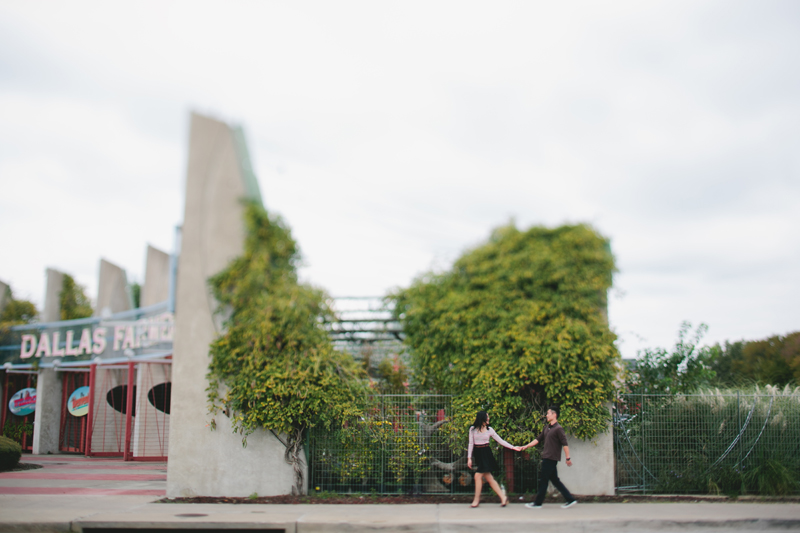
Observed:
{"x":552,"y":438}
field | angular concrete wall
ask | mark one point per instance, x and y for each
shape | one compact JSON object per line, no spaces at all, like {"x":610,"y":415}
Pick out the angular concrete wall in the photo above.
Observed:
{"x":5,"y":292}
{"x":156,"y":277}
{"x":113,"y":295}
{"x":202,"y":461}
{"x":52,"y":296}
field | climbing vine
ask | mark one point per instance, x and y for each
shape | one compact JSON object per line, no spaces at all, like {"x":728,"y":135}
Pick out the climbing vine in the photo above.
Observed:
{"x":517,"y":323}
{"x":275,"y":367}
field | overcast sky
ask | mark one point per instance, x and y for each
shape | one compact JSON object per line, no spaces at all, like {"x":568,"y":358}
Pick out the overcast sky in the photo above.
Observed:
{"x":393,"y":136}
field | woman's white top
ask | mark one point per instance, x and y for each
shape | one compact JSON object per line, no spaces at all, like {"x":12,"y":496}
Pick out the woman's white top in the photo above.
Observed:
{"x":482,"y":437}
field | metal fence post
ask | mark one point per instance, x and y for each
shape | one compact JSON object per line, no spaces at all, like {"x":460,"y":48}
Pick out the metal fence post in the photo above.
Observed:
{"x":644,"y":469}
{"x":383,"y":450}
{"x":739,"y":425}
{"x":127,"y":455}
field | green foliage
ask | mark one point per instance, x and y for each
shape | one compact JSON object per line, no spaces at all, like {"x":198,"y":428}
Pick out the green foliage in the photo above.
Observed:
{"x":721,"y":359}
{"x":771,"y":361}
{"x":17,"y":311}
{"x":276,"y":362}
{"x":14,"y":313}
{"x":10,"y":453}
{"x":395,"y":445}
{"x":717,"y":442}
{"x":136,"y":295}
{"x":685,"y":369}
{"x":73,"y":301}
{"x":518,"y":323}
{"x":394,"y":373}
{"x":15,"y":431}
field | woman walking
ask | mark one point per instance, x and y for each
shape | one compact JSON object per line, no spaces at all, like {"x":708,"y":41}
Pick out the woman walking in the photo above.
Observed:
{"x":479,"y":434}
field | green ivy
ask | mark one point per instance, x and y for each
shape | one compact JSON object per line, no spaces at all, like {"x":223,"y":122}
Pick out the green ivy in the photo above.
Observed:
{"x":73,"y":301}
{"x":518,"y":323}
{"x":15,"y":431}
{"x":275,"y":367}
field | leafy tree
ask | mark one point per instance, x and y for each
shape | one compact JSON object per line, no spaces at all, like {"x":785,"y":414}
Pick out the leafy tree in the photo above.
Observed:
{"x":721,"y":361}
{"x":136,"y":294}
{"x":278,"y":366}
{"x":17,"y":311}
{"x":518,"y":323}
{"x":394,"y":374}
{"x":682,"y":370}
{"x":14,"y":313}
{"x":773,"y":361}
{"x":73,"y":301}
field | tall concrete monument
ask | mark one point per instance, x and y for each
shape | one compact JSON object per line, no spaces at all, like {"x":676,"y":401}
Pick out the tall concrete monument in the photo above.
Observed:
{"x":201,"y":461}
{"x":5,"y":292}
{"x":52,"y":295}
{"x":156,"y":277}
{"x":113,"y":295}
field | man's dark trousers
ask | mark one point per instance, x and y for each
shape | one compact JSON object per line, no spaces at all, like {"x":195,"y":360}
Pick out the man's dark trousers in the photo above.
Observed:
{"x":548,"y":474}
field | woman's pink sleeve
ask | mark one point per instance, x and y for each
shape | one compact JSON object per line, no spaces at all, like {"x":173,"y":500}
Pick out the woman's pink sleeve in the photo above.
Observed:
{"x":496,"y":437}
{"x":471,"y":443}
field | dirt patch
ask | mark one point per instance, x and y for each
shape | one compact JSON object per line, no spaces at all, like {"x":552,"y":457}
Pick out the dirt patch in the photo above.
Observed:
{"x":399,"y":499}
{"x":22,"y":466}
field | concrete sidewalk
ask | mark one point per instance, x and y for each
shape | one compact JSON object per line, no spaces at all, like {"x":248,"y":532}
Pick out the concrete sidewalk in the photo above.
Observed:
{"x":107,"y":513}
{"x":77,"y":494}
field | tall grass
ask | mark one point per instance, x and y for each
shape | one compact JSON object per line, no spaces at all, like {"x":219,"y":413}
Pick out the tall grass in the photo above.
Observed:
{"x":717,"y":442}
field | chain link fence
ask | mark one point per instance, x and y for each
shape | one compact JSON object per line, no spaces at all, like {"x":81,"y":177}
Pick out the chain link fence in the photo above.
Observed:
{"x":711,"y":443}
{"x":404,"y":444}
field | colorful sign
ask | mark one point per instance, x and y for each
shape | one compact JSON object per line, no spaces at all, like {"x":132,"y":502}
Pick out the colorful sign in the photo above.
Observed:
{"x":88,"y":341}
{"x":78,"y":403}
{"x":23,"y":402}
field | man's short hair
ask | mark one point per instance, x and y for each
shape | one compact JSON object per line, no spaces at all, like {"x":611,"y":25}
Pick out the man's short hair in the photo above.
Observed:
{"x":555,"y":409}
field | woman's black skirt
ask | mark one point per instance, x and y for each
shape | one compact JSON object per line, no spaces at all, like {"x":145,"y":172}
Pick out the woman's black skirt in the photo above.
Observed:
{"x":484,"y":460}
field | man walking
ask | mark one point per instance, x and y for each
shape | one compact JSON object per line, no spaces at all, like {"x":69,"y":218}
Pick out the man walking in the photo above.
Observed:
{"x":552,"y":439}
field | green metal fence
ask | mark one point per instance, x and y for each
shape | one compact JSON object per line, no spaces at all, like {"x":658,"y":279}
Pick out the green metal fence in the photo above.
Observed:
{"x":708,"y":443}
{"x":404,"y":444}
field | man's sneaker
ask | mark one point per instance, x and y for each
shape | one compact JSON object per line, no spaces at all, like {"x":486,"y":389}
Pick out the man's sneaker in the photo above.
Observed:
{"x":569,"y":504}
{"x":532,"y":505}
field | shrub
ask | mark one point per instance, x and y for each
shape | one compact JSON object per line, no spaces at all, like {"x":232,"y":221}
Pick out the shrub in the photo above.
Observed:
{"x":10,"y":453}
{"x":517,"y":324}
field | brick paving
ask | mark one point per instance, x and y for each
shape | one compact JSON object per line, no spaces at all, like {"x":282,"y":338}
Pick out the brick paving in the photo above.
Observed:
{"x":74,"y":474}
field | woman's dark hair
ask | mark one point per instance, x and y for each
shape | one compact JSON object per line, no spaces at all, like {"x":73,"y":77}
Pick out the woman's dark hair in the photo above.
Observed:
{"x":480,"y":419}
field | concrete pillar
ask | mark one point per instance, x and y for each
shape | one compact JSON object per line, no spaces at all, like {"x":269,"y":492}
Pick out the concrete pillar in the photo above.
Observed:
{"x":5,"y":296}
{"x":156,"y":277}
{"x":203,"y":462}
{"x":113,"y":295}
{"x":592,"y":470}
{"x":47,"y":424}
{"x":52,"y":296}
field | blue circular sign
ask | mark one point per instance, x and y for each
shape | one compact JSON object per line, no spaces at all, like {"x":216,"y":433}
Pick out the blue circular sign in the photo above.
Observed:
{"x":78,"y":403}
{"x":23,"y":402}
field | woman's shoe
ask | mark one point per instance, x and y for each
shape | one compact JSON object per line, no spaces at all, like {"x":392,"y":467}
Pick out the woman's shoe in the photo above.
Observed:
{"x":474,"y":506}
{"x":505,"y":502}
